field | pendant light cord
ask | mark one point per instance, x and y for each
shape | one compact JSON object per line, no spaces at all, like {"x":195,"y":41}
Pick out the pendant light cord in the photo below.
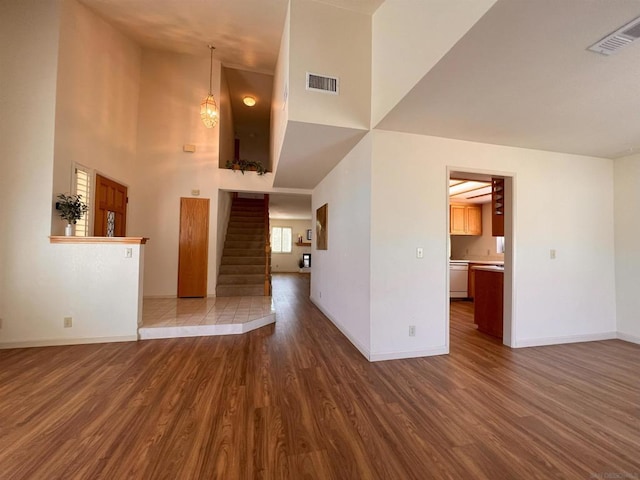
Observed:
{"x":210,"y":67}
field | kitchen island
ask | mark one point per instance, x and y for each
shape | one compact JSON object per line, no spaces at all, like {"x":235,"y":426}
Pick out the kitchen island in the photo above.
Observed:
{"x":488,"y":301}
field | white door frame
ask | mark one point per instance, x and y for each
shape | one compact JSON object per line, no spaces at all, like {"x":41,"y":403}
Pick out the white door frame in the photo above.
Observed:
{"x":509,"y":321}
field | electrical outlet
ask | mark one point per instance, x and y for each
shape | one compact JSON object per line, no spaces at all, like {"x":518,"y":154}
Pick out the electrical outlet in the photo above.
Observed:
{"x":412,"y":330}
{"x":68,"y":322}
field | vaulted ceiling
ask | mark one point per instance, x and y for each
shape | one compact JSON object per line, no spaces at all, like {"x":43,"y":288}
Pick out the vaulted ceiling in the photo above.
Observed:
{"x":521,"y":76}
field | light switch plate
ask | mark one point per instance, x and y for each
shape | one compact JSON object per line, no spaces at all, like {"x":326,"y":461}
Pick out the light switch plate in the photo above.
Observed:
{"x":419,"y":252}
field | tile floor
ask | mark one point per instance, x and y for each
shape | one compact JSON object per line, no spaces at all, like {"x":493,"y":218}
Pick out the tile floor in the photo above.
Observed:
{"x":177,"y":312}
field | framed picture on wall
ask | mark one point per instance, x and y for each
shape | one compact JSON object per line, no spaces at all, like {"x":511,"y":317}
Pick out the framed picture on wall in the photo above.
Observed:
{"x":322,"y":219}
{"x":309,"y":234}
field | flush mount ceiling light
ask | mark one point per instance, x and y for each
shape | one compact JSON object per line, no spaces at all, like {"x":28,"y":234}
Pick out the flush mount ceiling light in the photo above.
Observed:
{"x":208,"y":107}
{"x":249,"y":101}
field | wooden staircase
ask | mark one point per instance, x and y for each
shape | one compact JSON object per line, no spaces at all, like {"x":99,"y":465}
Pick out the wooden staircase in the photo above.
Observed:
{"x":245,"y":269}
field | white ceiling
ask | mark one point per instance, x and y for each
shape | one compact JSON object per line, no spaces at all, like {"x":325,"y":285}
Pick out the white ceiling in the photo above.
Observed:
{"x":469,"y":191}
{"x":310,"y":151}
{"x":246,"y":33}
{"x":522,"y":77}
{"x":289,"y":207}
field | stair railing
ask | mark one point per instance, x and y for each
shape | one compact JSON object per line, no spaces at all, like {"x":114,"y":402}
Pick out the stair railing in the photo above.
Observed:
{"x":267,"y":249}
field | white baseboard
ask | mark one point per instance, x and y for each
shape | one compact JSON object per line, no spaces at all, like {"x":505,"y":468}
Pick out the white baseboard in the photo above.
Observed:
{"x":361,"y":348}
{"x":68,"y":341}
{"x":378,"y":357}
{"x":540,"y":342}
{"x":628,"y":338}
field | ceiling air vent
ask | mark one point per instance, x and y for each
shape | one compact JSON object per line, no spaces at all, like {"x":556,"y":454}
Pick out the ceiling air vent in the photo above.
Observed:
{"x":322,"y":83}
{"x":618,"y":39}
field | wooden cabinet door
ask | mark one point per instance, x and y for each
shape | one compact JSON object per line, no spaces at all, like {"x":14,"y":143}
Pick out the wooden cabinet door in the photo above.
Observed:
{"x":110,"y":213}
{"x":497,"y":207}
{"x":474,"y":220}
{"x":193,"y":253}
{"x":465,"y":219}
{"x":457,"y":220}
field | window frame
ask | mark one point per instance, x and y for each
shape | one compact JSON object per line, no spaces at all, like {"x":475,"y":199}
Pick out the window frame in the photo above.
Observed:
{"x":87,"y":197}
{"x":273,"y":247}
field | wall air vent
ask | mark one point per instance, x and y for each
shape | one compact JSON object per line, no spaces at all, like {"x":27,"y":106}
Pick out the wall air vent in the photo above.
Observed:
{"x":322,"y":83}
{"x":618,"y":39}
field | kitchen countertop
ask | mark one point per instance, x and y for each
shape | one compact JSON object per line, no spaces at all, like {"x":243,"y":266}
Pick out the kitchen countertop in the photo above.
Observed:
{"x":490,"y":268}
{"x":480,"y":262}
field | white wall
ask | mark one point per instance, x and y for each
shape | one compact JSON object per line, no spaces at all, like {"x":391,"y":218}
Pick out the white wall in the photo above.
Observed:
{"x":42,"y":283}
{"x":564,"y":202}
{"x":280,"y":97}
{"x":97,"y":100}
{"x":288,"y":262}
{"x":627,"y":234}
{"x":332,"y":41}
{"x":340,"y":283}
{"x":28,"y":54}
{"x":172,"y":87}
{"x":96,"y":286}
{"x":475,"y":247}
{"x":409,"y":38}
{"x":227,"y":132}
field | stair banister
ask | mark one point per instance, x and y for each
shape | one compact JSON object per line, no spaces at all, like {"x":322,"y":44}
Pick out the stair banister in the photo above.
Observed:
{"x":267,"y":249}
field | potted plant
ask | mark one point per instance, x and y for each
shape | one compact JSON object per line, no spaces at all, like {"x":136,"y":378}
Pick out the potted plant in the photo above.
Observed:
{"x":244,"y":165}
{"x":70,"y":208}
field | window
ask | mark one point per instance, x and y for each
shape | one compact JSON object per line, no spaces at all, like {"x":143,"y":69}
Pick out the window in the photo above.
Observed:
{"x":281,"y":239}
{"x":82,"y":186}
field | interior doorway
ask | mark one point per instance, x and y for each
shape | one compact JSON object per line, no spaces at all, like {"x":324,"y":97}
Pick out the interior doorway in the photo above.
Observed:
{"x":480,"y":212}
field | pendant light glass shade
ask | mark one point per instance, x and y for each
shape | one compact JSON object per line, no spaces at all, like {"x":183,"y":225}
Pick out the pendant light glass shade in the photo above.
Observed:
{"x":208,"y":107}
{"x":209,"y":111}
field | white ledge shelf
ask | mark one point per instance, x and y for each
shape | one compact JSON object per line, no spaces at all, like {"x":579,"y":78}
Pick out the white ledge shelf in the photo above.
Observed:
{"x":111,"y":240}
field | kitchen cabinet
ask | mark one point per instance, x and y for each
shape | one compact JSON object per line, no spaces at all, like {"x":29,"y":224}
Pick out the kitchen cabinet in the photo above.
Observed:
{"x":471,"y":287}
{"x":488,"y":303}
{"x":497,"y":207}
{"x":465,"y":219}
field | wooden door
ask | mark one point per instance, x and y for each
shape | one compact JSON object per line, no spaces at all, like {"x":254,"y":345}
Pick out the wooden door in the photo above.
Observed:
{"x":110,"y":213}
{"x":194,"y":247}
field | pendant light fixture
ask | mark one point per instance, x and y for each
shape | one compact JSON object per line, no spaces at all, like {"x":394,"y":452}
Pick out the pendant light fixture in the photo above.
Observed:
{"x":208,"y":107}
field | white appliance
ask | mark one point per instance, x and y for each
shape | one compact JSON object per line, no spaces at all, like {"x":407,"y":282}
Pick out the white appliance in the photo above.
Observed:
{"x":458,"y":279}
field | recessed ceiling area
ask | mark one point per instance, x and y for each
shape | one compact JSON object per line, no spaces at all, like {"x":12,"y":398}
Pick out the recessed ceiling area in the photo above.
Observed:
{"x":469,"y":191}
{"x":522,"y":76}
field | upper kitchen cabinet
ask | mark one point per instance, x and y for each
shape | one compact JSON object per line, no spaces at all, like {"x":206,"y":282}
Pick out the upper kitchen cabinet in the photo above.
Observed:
{"x":465,"y":219}
{"x":497,"y":207}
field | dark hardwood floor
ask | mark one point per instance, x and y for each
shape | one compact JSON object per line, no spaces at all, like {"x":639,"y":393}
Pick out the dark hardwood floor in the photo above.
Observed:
{"x":296,"y":400}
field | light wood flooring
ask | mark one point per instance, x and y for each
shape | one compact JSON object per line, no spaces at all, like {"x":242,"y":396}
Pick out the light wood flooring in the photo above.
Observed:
{"x":296,"y":400}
